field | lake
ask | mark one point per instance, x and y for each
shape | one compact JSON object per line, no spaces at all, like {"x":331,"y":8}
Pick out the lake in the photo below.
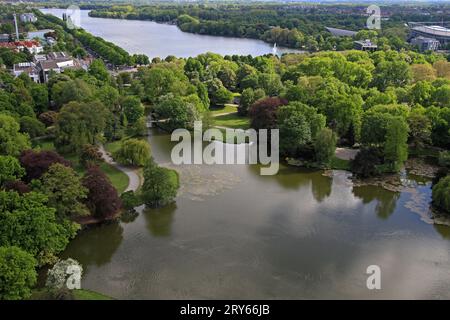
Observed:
{"x":233,"y":233}
{"x":300,"y":234}
{"x":160,"y":40}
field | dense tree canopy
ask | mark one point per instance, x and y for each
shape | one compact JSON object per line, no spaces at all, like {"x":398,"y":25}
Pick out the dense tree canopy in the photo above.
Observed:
{"x":17,"y":273}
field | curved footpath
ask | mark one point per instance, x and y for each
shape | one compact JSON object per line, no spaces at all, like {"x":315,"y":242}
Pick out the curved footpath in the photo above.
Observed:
{"x":134,"y":181}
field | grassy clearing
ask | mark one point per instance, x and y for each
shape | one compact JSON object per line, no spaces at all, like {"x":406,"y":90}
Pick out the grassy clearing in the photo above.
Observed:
{"x":232,"y":120}
{"x":226,"y":109}
{"x":118,"y":178}
{"x":81,"y":294}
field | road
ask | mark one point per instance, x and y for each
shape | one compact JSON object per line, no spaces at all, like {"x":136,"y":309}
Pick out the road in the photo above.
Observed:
{"x":134,"y":180}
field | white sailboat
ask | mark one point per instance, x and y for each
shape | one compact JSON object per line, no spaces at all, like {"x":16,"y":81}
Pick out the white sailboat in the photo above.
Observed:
{"x":274,"y":49}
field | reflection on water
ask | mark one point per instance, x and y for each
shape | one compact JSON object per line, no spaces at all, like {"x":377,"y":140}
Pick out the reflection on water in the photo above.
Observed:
{"x":386,"y":201}
{"x":299,"y":234}
{"x":96,"y":245}
{"x":159,"y":221}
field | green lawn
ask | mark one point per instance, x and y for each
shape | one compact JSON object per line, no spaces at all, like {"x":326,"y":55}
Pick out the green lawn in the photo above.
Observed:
{"x":118,"y":178}
{"x":81,"y":294}
{"x":227,"y":108}
{"x":232,"y":120}
{"x":112,"y":147}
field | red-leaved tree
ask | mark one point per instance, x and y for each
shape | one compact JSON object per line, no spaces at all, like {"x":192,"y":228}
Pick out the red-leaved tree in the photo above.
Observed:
{"x":263,"y":113}
{"x":36,"y":163}
{"x":102,"y":200}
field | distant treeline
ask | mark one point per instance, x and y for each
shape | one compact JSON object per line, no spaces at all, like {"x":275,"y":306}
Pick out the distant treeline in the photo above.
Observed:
{"x":104,"y":49}
{"x":295,"y":26}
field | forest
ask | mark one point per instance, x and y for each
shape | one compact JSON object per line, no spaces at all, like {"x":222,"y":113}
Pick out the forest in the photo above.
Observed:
{"x":290,"y":25}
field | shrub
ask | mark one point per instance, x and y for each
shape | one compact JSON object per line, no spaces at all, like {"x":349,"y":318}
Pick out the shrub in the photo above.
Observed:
{"x":160,"y":185}
{"x":366,"y":162}
{"x":441,"y":194}
{"x":130,"y":200}
{"x":36,"y":163}
{"x":102,"y":200}
{"x":133,"y":152}
{"x":444,"y":159}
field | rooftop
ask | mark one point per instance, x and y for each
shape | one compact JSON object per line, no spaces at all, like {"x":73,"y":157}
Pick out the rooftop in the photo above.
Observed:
{"x":341,"y":32}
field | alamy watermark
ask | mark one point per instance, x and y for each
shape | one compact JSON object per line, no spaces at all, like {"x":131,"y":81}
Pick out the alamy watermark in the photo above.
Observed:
{"x":73,"y":17}
{"x":374,"y":279}
{"x":65,"y":273}
{"x":241,"y":147}
{"x":374,"y":19}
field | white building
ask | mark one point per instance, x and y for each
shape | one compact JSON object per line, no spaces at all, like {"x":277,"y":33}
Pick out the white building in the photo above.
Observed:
{"x":29,"y":68}
{"x":27,"y":17}
{"x":39,"y":34}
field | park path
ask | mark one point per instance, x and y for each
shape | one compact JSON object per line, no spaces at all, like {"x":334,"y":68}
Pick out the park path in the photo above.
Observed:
{"x":134,"y":180}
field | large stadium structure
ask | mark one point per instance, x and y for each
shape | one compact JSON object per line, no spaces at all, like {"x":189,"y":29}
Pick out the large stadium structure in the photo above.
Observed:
{"x":433,"y":30}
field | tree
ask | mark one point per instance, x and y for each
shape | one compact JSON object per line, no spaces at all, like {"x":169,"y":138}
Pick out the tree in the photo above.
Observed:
{"x":36,"y":163}
{"x":90,"y":155}
{"x":12,"y":142}
{"x":263,"y":113}
{"x":366,"y":162}
{"x":325,"y":146}
{"x":10,"y":169}
{"x":299,"y":124}
{"x":179,"y":113}
{"x":72,"y":90}
{"x":441,"y":194}
{"x":32,"y":126}
{"x":419,"y":128}
{"x":17,"y":273}
{"x":422,"y":72}
{"x":48,"y":118}
{"x":98,"y":69}
{"x":27,"y":222}
{"x":102,"y":199}
{"x":133,"y":152}
{"x":248,"y":97}
{"x":160,"y":185}
{"x":64,"y":190}
{"x":133,"y":109}
{"x":79,"y":124}
{"x":39,"y":92}
{"x":396,"y":147}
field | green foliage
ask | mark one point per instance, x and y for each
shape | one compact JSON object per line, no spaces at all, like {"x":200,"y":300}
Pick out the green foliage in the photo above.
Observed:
{"x":64,"y":191}
{"x":10,"y":169}
{"x":17,"y":273}
{"x":12,"y":142}
{"x":27,"y":222}
{"x":366,"y":162}
{"x":79,"y":124}
{"x":133,"y":109}
{"x":325,"y":146}
{"x":444,"y":159}
{"x":130,"y":200}
{"x":160,"y":185}
{"x":299,"y":125}
{"x":396,"y":147}
{"x":441,"y":194}
{"x":32,"y":126}
{"x":133,"y":152}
